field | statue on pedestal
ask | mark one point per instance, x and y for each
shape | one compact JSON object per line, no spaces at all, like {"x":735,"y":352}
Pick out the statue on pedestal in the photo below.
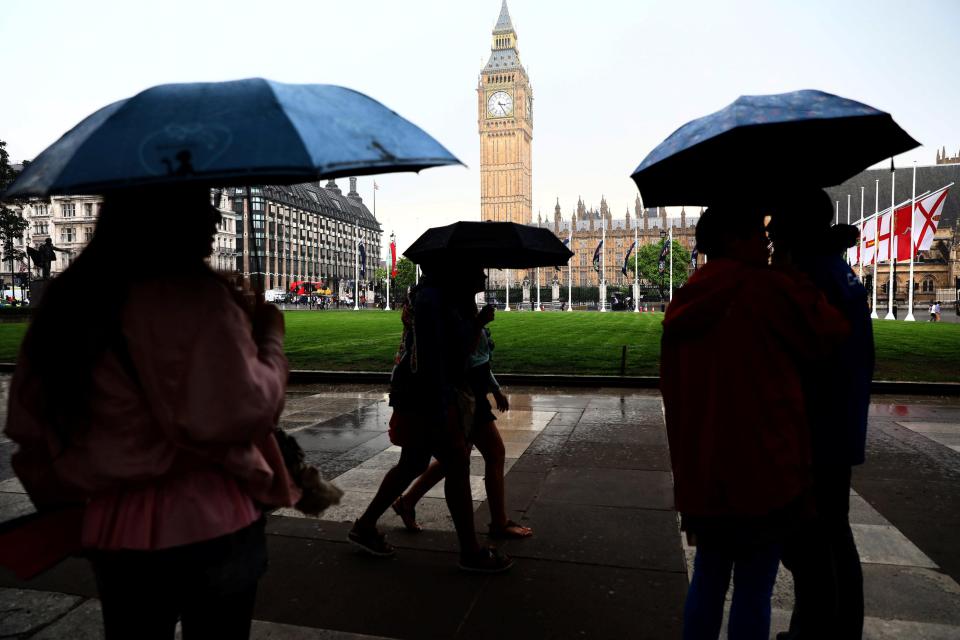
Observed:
{"x":44,"y":256}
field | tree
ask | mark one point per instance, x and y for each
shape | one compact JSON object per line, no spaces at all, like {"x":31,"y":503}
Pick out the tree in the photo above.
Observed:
{"x":648,"y":258}
{"x":12,"y":224}
{"x":406,"y":277}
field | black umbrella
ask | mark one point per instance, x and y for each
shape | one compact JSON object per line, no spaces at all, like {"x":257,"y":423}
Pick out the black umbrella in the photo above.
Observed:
{"x":502,"y":245}
{"x":765,"y":142}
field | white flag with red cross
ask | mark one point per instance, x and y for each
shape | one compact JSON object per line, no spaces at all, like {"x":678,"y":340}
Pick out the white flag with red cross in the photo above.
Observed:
{"x":868,"y":242}
{"x":926,"y":217}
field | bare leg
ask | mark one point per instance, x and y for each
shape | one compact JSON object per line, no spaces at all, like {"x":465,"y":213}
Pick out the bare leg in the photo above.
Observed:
{"x":454,"y":458}
{"x":413,"y":461}
{"x":428,"y":480}
{"x":488,"y":441}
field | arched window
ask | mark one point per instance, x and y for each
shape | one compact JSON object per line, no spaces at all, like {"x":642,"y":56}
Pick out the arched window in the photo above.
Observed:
{"x":928,"y":284}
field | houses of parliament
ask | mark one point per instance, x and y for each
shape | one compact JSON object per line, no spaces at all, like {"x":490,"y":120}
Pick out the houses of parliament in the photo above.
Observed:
{"x":505,"y":123}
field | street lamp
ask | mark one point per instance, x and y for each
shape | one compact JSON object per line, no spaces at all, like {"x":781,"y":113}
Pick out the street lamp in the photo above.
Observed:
{"x":393,"y":240}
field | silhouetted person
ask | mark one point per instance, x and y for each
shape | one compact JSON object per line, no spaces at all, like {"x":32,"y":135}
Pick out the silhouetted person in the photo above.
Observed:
{"x":734,"y":335}
{"x":432,"y":410}
{"x":44,"y":256}
{"x":159,"y":426}
{"x":483,"y":434}
{"x":822,"y":554}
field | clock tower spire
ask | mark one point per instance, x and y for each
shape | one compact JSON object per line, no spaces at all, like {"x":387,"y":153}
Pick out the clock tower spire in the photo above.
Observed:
{"x":505,"y":122}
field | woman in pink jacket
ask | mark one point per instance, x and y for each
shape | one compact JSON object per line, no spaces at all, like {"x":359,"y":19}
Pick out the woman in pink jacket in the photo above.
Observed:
{"x":153,"y":409}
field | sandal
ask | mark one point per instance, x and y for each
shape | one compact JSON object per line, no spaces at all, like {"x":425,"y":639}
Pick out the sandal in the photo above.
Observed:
{"x":485,"y":561}
{"x":407,"y":514}
{"x":509,"y":531}
{"x":372,"y":542}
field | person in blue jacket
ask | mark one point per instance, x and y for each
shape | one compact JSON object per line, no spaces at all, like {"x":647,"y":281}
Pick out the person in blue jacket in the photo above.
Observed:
{"x":822,"y":555}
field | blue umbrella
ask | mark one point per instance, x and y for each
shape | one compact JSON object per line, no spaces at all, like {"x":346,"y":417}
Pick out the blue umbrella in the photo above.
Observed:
{"x":252,"y":131}
{"x":768,"y":142}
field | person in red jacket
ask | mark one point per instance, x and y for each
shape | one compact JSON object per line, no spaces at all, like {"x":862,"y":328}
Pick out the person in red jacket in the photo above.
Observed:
{"x":735,"y":335}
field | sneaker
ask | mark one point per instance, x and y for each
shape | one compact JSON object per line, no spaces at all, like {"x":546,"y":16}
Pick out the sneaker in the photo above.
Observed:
{"x":372,"y":541}
{"x":485,"y":561}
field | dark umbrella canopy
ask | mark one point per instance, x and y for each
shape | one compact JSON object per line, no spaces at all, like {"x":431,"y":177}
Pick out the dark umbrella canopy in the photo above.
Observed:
{"x":768,"y":141}
{"x":502,"y":245}
{"x":252,"y":131}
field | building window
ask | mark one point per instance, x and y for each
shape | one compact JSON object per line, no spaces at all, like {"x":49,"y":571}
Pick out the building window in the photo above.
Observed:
{"x":87,"y":209}
{"x":87,"y":234}
{"x":69,"y":209}
{"x":40,"y":209}
{"x":928,"y":285}
{"x":40,"y":228}
{"x":67,"y":234}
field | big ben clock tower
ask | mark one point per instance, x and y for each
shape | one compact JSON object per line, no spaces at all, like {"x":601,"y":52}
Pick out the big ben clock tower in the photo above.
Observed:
{"x":505,"y":119}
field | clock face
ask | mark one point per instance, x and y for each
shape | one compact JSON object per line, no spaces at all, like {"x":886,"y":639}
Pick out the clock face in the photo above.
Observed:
{"x":499,"y":104}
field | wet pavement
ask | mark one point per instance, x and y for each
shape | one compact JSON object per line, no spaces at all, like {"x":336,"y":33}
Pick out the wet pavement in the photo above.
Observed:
{"x":589,"y":471}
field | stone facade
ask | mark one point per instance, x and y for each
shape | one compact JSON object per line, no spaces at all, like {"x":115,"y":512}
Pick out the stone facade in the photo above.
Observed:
{"x":588,"y":229}
{"x":307,"y":233}
{"x":70,"y":221}
{"x":505,"y":122}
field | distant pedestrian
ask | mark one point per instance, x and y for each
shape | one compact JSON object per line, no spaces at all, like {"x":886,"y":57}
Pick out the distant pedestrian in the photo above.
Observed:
{"x":737,"y":333}
{"x":936,"y":310}
{"x":484,"y":435}
{"x":933,"y":312}
{"x":822,"y":554}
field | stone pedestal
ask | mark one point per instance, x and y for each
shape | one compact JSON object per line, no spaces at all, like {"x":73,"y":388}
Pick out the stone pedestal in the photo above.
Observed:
{"x":555,"y":293}
{"x":526,"y":297}
{"x":37,"y":288}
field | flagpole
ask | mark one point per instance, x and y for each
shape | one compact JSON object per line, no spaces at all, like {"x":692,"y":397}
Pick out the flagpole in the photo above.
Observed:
{"x":837,"y":221}
{"x":860,"y":253}
{"x":603,"y":265}
{"x":913,"y":208}
{"x":356,"y":266}
{"x":876,"y":247}
{"x":671,"y":262}
{"x":507,"y":280}
{"x":890,"y":248}
{"x":538,"y":268}
{"x":570,"y":272}
{"x":390,"y":268}
{"x":636,"y":249}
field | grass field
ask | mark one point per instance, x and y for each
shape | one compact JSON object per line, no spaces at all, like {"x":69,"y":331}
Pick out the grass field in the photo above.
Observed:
{"x":573,"y":343}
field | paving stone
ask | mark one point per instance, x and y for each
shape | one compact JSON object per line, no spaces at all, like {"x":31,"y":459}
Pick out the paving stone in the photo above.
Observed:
{"x":609,"y":487}
{"x":14,"y":505}
{"x":261,"y":630}
{"x":23,"y":611}
{"x":879,"y":629}
{"x":12,"y":485}
{"x":910,"y":593}
{"x":607,"y":536}
{"x":597,"y":602}
{"x":338,"y":440}
{"x":615,"y":456}
{"x":861,"y":512}
{"x":83,"y":623}
{"x":535,"y":462}
{"x":383,"y":460}
{"x":546,"y":445}
{"x":884,"y":544}
{"x":416,"y":594}
{"x":614,"y":433}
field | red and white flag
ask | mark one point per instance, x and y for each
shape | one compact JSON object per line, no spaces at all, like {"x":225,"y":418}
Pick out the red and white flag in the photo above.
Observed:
{"x":926,"y":217}
{"x":868,"y":242}
{"x":901,"y":230}
{"x":393,"y":259}
{"x":883,"y":238}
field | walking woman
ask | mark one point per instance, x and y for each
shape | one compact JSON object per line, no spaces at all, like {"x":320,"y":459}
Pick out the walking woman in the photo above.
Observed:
{"x":430,"y":399}
{"x":153,"y":411}
{"x":484,"y":435}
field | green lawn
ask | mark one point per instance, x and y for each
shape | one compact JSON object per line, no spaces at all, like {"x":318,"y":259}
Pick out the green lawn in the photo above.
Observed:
{"x":580,"y":342}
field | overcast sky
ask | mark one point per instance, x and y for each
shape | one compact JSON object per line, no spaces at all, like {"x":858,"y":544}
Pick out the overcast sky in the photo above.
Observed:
{"x":610,"y":79}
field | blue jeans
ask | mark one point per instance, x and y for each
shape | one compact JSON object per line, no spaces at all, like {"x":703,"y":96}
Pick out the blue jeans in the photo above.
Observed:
{"x":754,"y":569}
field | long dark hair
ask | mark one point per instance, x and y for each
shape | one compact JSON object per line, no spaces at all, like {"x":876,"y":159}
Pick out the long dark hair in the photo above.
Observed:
{"x":140,"y":235}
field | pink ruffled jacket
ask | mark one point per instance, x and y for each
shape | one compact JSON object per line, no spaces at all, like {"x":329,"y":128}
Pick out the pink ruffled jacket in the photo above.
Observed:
{"x":184,"y":452}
